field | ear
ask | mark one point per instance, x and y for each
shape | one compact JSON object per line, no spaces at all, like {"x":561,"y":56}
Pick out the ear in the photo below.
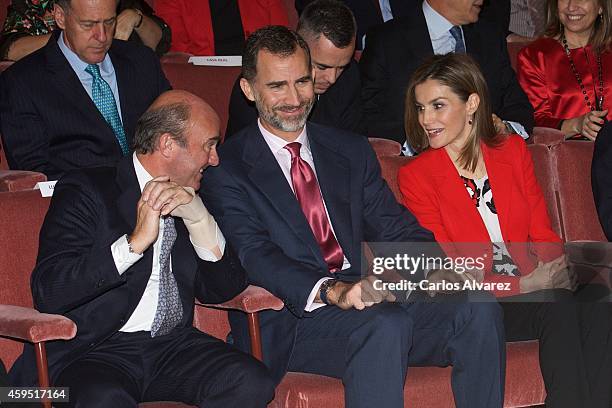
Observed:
{"x":166,"y":145}
{"x":247,"y":90}
{"x":59,"y":14}
{"x":473,"y":103}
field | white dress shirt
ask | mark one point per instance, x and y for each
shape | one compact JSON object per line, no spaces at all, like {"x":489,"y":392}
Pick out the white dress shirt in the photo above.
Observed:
{"x":283,"y":157}
{"x":142,"y":317}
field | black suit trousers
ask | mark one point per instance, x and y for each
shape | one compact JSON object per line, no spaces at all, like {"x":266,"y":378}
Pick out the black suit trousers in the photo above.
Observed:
{"x":185,"y":365}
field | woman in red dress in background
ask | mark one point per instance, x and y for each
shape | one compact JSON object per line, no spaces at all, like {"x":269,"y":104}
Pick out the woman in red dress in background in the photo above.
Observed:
{"x":567,"y":74}
{"x":217,"y":27}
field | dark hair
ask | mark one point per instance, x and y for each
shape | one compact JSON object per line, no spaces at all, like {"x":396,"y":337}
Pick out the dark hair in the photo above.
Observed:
{"x":66,"y":4}
{"x":331,"y":18}
{"x":277,"y":40}
{"x":463,"y":76}
{"x":601,"y":37}
{"x":172,"y":119}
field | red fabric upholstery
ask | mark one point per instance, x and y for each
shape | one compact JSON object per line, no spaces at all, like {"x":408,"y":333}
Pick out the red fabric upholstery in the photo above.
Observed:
{"x":16,"y":180}
{"x":20,"y":220}
{"x":572,"y":165}
{"x":513,"y":50}
{"x":385,"y":147}
{"x":425,"y":386}
{"x":389,"y":166}
{"x":252,"y":299}
{"x":28,"y":324}
{"x":213,"y":84}
{"x":547,"y":179}
{"x":3,"y":162}
{"x":175,"y":58}
{"x":3,"y":5}
{"x":291,"y":13}
{"x":547,"y":136}
{"x":4,"y":64}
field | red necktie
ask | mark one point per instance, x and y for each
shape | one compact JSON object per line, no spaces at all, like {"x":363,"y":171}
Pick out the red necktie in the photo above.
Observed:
{"x":309,"y":196}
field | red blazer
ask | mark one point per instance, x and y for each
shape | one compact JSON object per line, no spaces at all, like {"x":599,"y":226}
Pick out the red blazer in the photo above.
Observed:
{"x":436,"y":195}
{"x":191,"y":25}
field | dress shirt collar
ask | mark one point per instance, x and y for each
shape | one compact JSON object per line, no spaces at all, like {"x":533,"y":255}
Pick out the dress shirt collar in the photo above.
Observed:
{"x":277,"y":144}
{"x":78,"y":65}
{"x":437,"y":25}
{"x":143,"y":175}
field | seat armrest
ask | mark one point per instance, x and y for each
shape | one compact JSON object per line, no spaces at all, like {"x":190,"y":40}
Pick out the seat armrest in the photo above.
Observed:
{"x":17,"y":180}
{"x":547,"y":136}
{"x":252,"y":300}
{"x":31,"y":325}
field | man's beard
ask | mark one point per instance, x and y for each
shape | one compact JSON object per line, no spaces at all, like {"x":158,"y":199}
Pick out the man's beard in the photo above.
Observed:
{"x":286,"y":125}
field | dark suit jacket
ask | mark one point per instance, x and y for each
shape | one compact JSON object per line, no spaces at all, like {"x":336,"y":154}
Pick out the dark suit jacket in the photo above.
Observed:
{"x":50,"y":124}
{"x":75,"y":274}
{"x":394,"y":51}
{"x":339,"y":107}
{"x":260,"y":216}
{"x":601,"y":178}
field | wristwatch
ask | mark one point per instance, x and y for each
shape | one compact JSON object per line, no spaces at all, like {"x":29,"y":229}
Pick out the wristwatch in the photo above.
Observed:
{"x":325,"y":288}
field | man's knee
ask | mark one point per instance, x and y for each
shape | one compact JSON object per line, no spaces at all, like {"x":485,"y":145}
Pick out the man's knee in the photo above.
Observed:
{"x":484,"y":312}
{"x":390,"y":322}
{"x":255,"y":383}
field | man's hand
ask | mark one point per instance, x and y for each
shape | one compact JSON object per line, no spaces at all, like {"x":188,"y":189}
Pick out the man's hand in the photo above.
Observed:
{"x":500,"y":126}
{"x":550,"y":275}
{"x":446,"y":275}
{"x":147,"y":227}
{"x":126,"y":21}
{"x":358,"y":295}
{"x":164,"y":195}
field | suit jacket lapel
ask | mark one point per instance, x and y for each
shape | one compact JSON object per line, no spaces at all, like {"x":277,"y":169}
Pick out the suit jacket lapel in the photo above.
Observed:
{"x":472,"y":40}
{"x":124,"y":74}
{"x":456,"y":199}
{"x":333,"y":174}
{"x":265,"y":173}
{"x":499,"y":170}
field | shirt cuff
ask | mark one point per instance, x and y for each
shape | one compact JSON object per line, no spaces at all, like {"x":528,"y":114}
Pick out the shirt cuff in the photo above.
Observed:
{"x":206,"y":254}
{"x":310,"y":303}
{"x":518,"y":129}
{"x":120,"y":249}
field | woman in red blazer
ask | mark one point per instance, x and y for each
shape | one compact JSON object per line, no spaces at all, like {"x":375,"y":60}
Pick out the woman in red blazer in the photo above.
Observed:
{"x":192,"y":26}
{"x":469,"y":184}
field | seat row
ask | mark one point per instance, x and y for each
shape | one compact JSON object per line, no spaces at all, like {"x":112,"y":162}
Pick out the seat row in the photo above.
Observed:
{"x":563,"y":170}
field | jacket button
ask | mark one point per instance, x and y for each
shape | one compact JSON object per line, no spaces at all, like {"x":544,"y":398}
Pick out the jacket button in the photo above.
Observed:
{"x":92,"y":344}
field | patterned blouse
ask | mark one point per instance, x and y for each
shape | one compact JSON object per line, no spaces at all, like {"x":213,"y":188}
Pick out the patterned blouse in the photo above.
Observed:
{"x":34,"y":17}
{"x":481,"y":194}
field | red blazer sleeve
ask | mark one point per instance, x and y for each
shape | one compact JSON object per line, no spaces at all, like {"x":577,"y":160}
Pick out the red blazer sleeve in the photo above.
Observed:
{"x":531,"y":75}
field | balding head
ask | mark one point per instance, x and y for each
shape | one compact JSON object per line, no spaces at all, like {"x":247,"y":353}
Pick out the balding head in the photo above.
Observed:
{"x":458,"y":12}
{"x":177,"y":136}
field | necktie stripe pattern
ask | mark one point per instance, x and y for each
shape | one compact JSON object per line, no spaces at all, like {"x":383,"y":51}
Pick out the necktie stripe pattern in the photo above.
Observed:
{"x":455,"y":31}
{"x":309,"y":196}
{"x":104,"y":100}
{"x":169,"y":311}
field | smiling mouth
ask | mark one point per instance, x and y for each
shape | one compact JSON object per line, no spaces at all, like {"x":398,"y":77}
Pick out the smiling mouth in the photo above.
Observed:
{"x":574,"y":17}
{"x":433,"y":132}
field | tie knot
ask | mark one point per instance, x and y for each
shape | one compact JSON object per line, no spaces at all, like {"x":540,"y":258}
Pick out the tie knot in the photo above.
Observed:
{"x":294,"y":149}
{"x":93,"y":70}
{"x":455,"y":31}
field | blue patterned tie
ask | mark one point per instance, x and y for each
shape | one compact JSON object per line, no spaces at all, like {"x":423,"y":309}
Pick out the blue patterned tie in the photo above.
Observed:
{"x":104,"y":99}
{"x":459,"y":44}
{"x":169,"y":311}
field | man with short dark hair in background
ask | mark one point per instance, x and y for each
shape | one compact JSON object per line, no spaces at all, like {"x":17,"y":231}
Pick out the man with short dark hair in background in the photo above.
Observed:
{"x":124,"y":251}
{"x":328,"y":27}
{"x":74,"y":103}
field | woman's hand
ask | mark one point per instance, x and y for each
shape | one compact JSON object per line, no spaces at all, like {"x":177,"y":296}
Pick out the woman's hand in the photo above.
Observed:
{"x":587,"y":125}
{"x":551,"y":275}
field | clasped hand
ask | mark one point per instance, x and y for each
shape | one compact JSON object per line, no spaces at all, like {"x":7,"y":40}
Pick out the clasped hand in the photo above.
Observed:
{"x":159,"y":198}
{"x":550,"y":275}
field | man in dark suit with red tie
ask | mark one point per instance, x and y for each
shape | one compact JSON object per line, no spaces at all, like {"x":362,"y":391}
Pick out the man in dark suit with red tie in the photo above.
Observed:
{"x":296,"y":200}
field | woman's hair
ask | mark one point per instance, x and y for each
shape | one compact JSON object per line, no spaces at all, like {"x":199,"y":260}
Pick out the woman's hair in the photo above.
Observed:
{"x":601,"y":37}
{"x":463,"y":76}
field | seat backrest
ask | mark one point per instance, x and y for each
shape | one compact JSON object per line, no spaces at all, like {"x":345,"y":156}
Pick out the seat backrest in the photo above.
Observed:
{"x":513,"y":50}
{"x":212,"y":321}
{"x":3,"y":162}
{"x":291,"y":13}
{"x":213,"y":84}
{"x":389,"y":166}
{"x":21,"y":217}
{"x":572,"y":165}
{"x":385,"y":147}
{"x":3,"y":5}
{"x":547,"y":179}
